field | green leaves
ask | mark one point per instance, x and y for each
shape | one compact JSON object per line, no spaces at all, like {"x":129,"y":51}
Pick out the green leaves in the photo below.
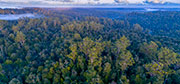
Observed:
{"x":65,"y":50}
{"x":20,"y":37}
{"x":124,"y":57}
{"x":167,"y":57}
{"x":149,"y":50}
{"x":125,"y":60}
{"x":122,"y":44}
{"x":15,"y":81}
{"x":90,"y":73}
{"x":8,"y":62}
{"x":74,"y":52}
{"x":106,"y":71}
{"x":155,"y":70}
{"x":92,"y":50}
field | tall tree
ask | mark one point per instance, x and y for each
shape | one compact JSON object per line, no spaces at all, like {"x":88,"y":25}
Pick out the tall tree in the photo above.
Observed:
{"x":20,"y":37}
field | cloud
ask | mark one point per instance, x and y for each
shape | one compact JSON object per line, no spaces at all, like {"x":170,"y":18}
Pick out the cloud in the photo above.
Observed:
{"x":61,"y":0}
{"x":64,"y":2}
{"x":55,"y":2}
{"x":121,"y":1}
{"x":155,"y":1}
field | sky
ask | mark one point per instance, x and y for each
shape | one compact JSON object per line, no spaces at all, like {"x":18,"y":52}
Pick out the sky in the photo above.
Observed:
{"x":63,"y":2}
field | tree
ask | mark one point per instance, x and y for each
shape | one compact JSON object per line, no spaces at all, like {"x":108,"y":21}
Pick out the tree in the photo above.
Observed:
{"x":122,"y":44}
{"x":92,"y":76}
{"x":167,"y":57}
{"x":149,"y":50}
{"x":20,"y":37}
{"x":92,"y":51}
{"x":106,"y":71}
{"x":77,"y":36}
{"x":8,"y":62}
{"x":73,"y":54}
{"x":95,"y":26}
{"x":86,"y":46}
{"x":81,"y":62}
{"x":156,"y":72}
{"x":1,"y":27}
{"x":15,"y":81}
{"x":32,"y":79}
{"x":137,"y":27}
{"x":124,"y":60}
{"x":138,"y":80}
{"x":123,"y":80}
{"x":15,"y":29}
{"x":124,"y":57}
{"x":44,"y":25}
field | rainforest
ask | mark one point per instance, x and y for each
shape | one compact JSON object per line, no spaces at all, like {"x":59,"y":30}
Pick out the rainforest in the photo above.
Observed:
{"x":90,"y":46}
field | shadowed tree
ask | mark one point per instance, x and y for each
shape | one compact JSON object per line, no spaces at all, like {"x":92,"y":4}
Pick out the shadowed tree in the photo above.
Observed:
{"x":149,"y":50}
{"x":106,"y":71}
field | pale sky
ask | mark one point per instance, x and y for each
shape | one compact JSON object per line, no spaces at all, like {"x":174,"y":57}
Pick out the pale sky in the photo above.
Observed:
{"x":51,"y":2}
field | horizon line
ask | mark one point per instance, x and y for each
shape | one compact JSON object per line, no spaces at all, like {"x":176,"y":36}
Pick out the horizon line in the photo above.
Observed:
{"x":94,"y":6}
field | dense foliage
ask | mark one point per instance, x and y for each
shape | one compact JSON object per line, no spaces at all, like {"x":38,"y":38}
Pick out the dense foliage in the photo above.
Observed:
{"x":164,"y":25}
{"x":65,"y":49}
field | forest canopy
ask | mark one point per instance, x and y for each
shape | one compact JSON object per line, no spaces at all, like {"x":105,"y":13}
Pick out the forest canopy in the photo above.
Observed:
{"x":88,"y":49}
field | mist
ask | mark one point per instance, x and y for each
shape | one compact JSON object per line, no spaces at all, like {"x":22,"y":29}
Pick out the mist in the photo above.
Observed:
{"x":17,"y":16}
